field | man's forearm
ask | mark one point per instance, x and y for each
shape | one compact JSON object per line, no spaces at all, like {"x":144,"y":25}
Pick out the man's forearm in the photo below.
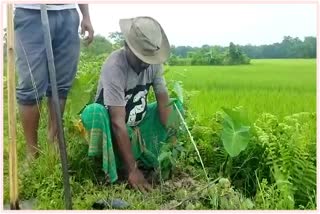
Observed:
{"x":84,"y":8}
{"x":164,"y":113}
{"x":124,"y":146}
{"x":164,"y":109}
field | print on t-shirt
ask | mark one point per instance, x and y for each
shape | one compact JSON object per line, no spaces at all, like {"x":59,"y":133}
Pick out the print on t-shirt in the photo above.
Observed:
{"x":136,"y":106}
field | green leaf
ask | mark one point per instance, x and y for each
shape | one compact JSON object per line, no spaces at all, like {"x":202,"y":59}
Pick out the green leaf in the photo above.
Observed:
{"x":179,"y":91}
{"x":163,"y":156}
{"x":236,"y":132}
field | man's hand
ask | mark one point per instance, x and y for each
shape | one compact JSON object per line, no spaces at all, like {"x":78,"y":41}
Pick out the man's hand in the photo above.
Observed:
{"x":86,"y":25}
{"x":122,"y":143}
{"x":137,"y":181}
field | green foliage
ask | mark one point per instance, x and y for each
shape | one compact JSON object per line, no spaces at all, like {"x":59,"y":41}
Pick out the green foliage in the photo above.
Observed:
{"x":177,"y":91}
{"x":291,"y":84}
{"x":235,"y":134}
{"x":288,"y":146}
{"x":118,"y":40}
{"x":176,"y":60}
{"x":84,"y":87}
{"x":276,"y":170}
{"x":168,"y":157}
{"x":211,"y":56}
{"x":100,"y":45}
{"x":235,"y":56}
{"x":282,"y":154}
{"x":288,"y":48}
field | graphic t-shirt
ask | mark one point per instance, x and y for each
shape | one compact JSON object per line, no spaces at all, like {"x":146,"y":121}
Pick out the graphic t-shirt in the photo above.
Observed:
{"x":120,"y":85}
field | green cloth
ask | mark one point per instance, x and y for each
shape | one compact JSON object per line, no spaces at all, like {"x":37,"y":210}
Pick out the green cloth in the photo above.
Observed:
{"x":145,"y":138}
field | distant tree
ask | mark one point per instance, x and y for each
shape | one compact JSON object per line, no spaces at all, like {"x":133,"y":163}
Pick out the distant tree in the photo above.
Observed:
{"x":289,"y":47}
{"x":99,"y":45}
{"x":182,"y":51}
{"x":216,"y":56}
{"x":235,"y":56}
{"x":310,"y":47}
{"x":117,"y":39}
{"x":173,"y":60}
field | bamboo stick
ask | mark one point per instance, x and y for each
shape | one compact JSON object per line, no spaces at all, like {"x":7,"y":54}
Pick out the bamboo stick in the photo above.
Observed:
{"x":13,"y":176}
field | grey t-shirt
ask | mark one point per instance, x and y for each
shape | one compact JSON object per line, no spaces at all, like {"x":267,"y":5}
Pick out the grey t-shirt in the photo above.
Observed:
{"x":120,"y":85}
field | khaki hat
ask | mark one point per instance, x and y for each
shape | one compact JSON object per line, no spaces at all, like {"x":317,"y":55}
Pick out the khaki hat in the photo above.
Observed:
{"x":146,"y":38}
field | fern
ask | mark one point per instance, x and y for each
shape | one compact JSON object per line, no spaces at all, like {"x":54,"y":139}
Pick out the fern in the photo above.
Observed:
{"x":288,"y":146}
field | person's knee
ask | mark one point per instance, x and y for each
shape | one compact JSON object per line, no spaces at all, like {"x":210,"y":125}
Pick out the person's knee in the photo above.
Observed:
{"x":31,"y":87}
{"x":28,"y":101}
{"x":32,"y":81}
{"x":62,"y":93}
{"x":29,"y":96}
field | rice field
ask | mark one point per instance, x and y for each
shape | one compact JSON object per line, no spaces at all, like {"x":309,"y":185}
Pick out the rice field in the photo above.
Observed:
{"x":278,"y":86}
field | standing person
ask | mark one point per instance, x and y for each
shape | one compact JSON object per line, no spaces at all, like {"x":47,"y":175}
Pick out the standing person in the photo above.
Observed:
{"x":122,"y":127}
{"x":33,"y":74}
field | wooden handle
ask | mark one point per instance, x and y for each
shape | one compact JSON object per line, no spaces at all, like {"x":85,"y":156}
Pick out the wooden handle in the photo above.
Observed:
{"x":13,"y":161}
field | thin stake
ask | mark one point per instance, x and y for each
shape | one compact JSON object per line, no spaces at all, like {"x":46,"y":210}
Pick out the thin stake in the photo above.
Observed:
{"x":13,"y":168}
{"x":55,"y":98}
{"x":194,"y":144}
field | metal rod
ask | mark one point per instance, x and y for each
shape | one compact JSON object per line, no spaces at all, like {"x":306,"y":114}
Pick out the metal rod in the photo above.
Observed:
{"x":13,"y":162}
{"x":55,"y":98}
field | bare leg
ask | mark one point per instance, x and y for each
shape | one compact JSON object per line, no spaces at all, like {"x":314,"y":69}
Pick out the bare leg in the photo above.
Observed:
{"x":53,"y":129}
{"x":30,"y":116}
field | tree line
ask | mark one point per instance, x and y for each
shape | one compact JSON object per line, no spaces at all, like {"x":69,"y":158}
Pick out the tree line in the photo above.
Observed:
{"x":289,"y":47}
{"x":233,"y":54}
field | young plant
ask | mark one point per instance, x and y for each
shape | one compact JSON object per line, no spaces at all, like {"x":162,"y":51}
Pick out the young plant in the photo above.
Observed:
{"x":235,"y":134}
{"x":168,"y":157}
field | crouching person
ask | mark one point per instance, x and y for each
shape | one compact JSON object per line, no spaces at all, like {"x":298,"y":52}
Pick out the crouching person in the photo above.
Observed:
{"x":122,"y":127}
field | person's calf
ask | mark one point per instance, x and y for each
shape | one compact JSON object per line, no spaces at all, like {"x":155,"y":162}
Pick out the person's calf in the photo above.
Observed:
{"x":32,"y":153}
{"x":52,"y":121}
{"x":30,"y":115}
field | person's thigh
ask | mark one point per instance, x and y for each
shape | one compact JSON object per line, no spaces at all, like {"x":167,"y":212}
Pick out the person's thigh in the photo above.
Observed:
{"x":66,"y":49}
{"x":30,"y":56}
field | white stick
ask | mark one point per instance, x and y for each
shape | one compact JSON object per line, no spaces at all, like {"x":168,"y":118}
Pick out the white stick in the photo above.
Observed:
{"x":191,"y":138}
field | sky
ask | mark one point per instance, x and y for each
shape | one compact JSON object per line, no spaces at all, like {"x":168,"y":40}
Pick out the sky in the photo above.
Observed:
{"x":214,"y":24}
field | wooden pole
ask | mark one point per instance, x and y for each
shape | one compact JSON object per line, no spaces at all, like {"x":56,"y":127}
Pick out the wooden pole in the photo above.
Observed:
{"x":13,"y":175}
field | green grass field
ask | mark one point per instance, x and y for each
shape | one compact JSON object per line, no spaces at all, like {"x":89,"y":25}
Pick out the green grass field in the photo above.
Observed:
{"x":280,"y":86}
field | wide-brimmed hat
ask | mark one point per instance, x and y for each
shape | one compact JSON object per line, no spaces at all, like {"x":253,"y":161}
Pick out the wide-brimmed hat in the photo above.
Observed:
{"x":146,"y":39}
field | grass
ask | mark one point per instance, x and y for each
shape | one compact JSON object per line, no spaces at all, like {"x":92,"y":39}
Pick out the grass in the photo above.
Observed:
{"x":280,"y":87}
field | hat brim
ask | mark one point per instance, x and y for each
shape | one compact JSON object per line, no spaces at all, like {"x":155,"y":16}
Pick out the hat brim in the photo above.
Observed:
{"x":162,"y":54}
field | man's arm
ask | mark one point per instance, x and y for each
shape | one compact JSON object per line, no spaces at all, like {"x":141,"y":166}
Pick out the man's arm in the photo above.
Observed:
{"x":86,"y":23}
{"x":119,"y":129}
{"x":135,"y":177}
{"x":161,"y":92}
{"x":164,"y":109}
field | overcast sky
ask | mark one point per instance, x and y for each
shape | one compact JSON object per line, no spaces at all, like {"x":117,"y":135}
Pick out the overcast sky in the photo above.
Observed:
{"x":214,"y":24}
